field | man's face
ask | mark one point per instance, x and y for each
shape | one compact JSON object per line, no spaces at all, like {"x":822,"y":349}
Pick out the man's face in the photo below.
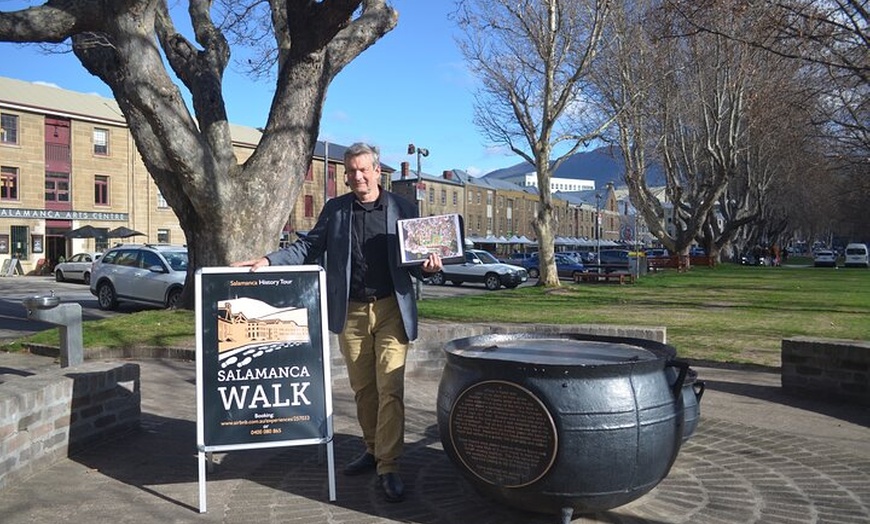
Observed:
{"x":363,"y":176}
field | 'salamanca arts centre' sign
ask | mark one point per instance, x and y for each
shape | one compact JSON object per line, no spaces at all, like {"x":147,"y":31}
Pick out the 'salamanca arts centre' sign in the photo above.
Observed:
{"x":263,"y":377}
{"x":50,"y":214}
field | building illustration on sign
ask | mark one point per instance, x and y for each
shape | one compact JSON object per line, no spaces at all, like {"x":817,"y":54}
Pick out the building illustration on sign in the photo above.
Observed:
{"x":248,"y":328}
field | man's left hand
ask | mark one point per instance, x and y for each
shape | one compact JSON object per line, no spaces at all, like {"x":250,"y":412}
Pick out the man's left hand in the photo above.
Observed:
{"x":432,"y":264}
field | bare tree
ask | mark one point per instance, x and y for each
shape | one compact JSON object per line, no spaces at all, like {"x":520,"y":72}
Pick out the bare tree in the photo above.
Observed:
{"x":830,"y":37}
{"x":533,"y":58}
{"x":698,"y":103}
{"x":227,"y":209}
{"x":684,"y":100}
{"x":775,"y":151}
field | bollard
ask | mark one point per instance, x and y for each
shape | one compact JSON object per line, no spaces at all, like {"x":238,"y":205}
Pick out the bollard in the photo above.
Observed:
{"x":68,"y":317}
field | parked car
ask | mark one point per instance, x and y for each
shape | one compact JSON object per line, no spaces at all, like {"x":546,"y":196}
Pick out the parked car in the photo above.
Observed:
{"x":824,"y":258}
{"x":615,"y":258}
{"x":78,"y":267}
{"x":517,"y":258}
{"x":857,"y":256}
{"x":566,"y":266}
{"x":141,"y":273}
{"x":657,"y":253}
{"x":751,"y":259}
{"x":576,"y":255}
{"x":481,"y":267}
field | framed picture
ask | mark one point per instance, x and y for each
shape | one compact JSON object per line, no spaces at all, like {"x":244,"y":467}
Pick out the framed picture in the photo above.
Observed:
{"x":4,"y":244}
{"x":441,"y":234}
{"x":36,"y":243}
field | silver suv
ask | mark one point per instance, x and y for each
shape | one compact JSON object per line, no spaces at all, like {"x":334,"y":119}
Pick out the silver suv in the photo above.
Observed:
{"x":141,"y":273}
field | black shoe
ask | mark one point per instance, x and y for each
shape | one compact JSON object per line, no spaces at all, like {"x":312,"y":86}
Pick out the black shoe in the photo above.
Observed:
{"x":362,"y":464}
{"x":394,"y":490}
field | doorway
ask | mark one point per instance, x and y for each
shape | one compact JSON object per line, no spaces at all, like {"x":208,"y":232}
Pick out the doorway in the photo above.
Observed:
{"x":55,"y":248}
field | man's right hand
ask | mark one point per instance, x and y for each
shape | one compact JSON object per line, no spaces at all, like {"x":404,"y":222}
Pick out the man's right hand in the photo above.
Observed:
{"x":254,"y":263}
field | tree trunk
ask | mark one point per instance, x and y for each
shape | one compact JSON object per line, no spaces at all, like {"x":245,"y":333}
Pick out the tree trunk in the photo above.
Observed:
{"x":229,"y":211}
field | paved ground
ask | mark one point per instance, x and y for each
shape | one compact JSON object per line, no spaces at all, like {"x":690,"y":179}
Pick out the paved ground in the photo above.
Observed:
{"x":757,"y":456}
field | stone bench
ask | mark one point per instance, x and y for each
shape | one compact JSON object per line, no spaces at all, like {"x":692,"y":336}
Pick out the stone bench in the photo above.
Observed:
{"x":828,"y":368}
{"x":620,"y":277}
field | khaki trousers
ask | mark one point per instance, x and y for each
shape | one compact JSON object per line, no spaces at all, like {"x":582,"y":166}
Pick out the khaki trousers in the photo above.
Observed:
{"x":374,"y":346}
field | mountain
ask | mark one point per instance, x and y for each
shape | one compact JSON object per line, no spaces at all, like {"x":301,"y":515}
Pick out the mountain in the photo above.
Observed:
{"x":603,"y":165}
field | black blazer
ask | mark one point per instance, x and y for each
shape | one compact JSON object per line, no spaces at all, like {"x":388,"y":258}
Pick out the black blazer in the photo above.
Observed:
{"x":332,"y":236}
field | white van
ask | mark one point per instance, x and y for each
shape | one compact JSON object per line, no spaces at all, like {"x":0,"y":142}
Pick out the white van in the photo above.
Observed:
{"x":857,"y":256}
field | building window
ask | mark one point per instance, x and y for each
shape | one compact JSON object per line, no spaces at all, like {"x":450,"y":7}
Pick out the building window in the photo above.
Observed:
{"x":431,"y":195}
{"x":470,"y":196}
{"x":101,"y":141}
{"x":161,"y":201}
{"x":8,"y":128}
{"x":56,"y":187}
{"x":101,"y":190}
{"x":443,"y":197}
{"x":309,"y":206}
{"x":455,"y":198}
{"x":163,"y":236}
{"x":8,"y":183}
{"x":330,"y":180}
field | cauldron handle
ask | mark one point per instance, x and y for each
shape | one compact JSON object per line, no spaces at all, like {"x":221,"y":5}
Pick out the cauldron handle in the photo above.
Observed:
{"x":677,"y":388}
{"x":699,"y":388}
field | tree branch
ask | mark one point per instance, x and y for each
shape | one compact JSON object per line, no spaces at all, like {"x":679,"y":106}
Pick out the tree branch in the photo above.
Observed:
{"x":56,"y":20}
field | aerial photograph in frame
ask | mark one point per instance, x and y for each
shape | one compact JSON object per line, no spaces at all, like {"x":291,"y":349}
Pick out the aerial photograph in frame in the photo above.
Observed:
{"x":440,"y":234}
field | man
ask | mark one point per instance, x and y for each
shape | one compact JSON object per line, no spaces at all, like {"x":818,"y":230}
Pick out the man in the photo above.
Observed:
{"x":371,"y":304}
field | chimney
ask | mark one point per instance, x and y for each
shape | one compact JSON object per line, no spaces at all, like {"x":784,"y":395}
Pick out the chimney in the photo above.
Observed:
{"x":448,"y":175}
{"x":405,"y":169}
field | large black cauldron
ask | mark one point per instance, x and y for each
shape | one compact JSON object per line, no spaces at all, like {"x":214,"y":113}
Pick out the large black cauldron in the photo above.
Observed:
{"x":563,"y":423}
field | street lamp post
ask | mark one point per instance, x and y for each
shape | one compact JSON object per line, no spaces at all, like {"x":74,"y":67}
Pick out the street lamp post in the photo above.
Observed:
{"x":421,"y":152}
{"x":598,"y":230}
{"x":636,"y":248}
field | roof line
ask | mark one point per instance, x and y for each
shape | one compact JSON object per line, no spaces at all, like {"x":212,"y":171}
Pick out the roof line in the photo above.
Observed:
{"x":66,"y":114}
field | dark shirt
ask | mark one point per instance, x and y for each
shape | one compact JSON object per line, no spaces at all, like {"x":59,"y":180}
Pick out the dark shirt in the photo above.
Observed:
{"x":369,"y":269}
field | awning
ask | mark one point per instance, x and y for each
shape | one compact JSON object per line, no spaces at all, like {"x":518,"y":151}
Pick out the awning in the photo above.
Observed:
{"x":87,"y":232}
{"x":123,"y":232}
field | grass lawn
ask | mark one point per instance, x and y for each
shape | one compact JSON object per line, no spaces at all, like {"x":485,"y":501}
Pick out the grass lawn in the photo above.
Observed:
{"x":726,"y":314}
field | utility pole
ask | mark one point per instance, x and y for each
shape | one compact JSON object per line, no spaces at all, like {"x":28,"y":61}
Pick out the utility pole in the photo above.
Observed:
{"x":598,"y":230}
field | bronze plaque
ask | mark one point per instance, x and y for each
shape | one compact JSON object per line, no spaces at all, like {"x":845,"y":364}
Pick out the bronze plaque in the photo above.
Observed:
{"x":503,"y":433}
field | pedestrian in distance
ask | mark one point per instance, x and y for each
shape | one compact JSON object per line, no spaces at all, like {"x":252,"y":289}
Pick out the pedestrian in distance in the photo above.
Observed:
{"x":371,"y":304}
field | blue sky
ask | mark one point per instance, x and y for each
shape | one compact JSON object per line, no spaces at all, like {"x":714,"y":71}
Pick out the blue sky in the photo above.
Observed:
{"x":412,"y":86}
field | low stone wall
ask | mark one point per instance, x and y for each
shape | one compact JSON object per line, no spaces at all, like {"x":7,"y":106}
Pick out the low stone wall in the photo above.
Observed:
{"x":426,"y":354}
{"x":51,"y":415}
{"x":830,"y":368}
